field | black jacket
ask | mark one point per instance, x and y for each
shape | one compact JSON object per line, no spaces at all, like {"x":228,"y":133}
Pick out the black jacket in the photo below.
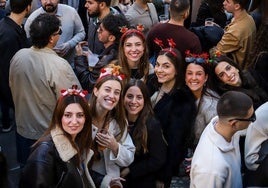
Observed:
{"x":45,"y":168}
{"x":12,"y":39}
{"x":146,"y":166}
{"x":88,"y":76}
{"x":176,"y":112}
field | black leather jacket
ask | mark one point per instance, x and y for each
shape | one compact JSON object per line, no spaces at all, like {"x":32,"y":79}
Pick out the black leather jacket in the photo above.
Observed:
{"x":46,"y":169}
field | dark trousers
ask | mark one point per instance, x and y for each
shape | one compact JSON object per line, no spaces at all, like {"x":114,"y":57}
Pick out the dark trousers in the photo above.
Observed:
{"x":5,"y":110}
{"x":258,"y":178}
{"x":23,"y":148}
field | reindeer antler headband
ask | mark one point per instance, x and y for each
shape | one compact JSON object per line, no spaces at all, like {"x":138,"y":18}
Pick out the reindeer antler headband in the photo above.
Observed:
{"x":171,"y":44}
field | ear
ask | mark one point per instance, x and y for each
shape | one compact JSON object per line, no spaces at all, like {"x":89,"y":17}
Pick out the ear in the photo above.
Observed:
{"x":95,"y":91}
{"x":111,"y":38}
{"x":206,"y":77}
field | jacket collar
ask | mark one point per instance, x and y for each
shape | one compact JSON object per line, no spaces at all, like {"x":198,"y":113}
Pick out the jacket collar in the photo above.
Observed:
{"x":62,"y":144}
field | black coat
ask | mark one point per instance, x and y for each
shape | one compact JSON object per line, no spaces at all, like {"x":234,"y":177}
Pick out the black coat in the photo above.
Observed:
{"x":45,"y":168}
{"x":176,"y":112}
{"x":88,"y":76}
{"x":146,"y":166}
{"x":12,"y":39}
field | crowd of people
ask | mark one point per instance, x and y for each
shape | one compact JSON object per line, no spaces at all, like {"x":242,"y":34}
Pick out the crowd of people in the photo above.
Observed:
{"x":103,"y":94}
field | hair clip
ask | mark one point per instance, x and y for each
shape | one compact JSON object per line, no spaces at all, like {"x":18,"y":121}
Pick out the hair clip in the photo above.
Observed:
{"x":171,"y":44}
{"x":198,"y":58}
{"x":74,"y":91}
{"x":113,"y":70}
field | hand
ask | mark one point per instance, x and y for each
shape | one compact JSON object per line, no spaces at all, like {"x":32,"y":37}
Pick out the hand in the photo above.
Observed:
{"x":187,"y":164}
{"x":108,"y":141}
{"x":62,"y":49}
{"x":124,"y":172}
{"x":82,"y":49}
{"x":160,"y":184}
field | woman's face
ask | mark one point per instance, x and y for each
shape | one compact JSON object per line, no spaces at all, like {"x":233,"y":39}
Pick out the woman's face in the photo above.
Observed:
{"x":164,"y":69}
{"x":195,"y":77}
{"x":108,"y":94}
{"x":73,"y":119}
{"x":133,"y":101}
{"x":133,"y":50}
{"x":228,"y":74}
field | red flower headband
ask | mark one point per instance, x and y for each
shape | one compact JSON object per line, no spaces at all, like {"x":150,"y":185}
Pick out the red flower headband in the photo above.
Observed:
{"x":171,"y":44}
{"x":215,"y":55}
{"x":74,"y":91}
{"x":138,"y":30}
{"x":112,"y":69}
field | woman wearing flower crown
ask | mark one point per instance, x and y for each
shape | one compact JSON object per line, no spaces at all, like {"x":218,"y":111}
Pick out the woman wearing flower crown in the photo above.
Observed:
{"x":60,"y":157}
{"x":113,"y":147}
{"x":174,"y":106}
{"x":133,"y":54}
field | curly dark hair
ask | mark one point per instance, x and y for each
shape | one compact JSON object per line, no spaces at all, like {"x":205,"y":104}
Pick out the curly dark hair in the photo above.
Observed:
{"x":41,"y":29}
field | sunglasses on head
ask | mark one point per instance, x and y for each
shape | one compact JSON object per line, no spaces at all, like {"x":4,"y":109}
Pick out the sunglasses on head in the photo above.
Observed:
{"x":195,"y":59}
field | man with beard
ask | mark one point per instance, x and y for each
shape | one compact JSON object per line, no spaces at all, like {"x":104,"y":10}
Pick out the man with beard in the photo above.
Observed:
{"x":72,"y":28}
{"x":12,"y":39}
{"x":97,"y":10}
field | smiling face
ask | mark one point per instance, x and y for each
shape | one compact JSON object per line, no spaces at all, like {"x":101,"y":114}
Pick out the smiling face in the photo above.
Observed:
{"x":165,"y":70}
{"x":195,"y":78}
{"x":73,"y":119}
{"x":108,"y":94}
{"x":228,"y":74}
{"x":133,"y":50}
{"x":133,"y":102}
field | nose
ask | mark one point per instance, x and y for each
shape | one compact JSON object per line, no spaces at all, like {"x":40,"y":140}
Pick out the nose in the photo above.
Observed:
{"x":74,"y":120}
{"x":228,"y":74}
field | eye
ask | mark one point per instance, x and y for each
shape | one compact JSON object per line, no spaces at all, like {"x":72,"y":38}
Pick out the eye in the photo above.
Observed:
{"x":67,"y":115}
{"x":130,"y":96}
{"x":80,"y":115}
{"x":228,"y":67}
{"x":117,"y":93}
{"x":220,"y":75}
{"x":140,"y":97}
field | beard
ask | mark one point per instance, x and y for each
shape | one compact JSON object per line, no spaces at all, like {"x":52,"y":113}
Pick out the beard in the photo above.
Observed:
{"x":50,"y":8}
{"x":96,"y":13}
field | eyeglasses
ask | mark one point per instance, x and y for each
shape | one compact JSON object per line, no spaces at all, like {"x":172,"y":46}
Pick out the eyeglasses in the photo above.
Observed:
{"x":196,"y":59}
{"x":252,"y":118}
{"x":58,"y":33}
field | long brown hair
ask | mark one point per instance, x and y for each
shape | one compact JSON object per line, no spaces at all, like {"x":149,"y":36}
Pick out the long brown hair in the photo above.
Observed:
{"x":83,"y":140}
{"x":118,"y":113}
{"x":143,"y":66}
{"x":140,"y":134}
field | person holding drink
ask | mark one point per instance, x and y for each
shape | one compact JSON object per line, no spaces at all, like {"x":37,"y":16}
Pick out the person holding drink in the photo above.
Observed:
{"x":113,"y":148}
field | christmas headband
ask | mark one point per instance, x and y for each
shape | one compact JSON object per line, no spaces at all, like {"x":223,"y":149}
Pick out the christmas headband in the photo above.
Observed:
{"x":113,"y":70}
{"x":138,"y":30}
{"x":171,"y":44}
{"x":74,"y":91}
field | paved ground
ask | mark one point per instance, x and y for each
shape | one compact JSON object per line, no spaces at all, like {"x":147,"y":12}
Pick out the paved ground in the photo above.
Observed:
{"x":7,"y":142}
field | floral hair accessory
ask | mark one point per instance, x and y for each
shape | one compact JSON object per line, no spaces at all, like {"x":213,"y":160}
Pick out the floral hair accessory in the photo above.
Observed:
{"x":198,"y":58}
{"x":214,"y":56}
{"x":171,"y":44}
{"x":74,"y":91}
{"x":113,"y":70}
